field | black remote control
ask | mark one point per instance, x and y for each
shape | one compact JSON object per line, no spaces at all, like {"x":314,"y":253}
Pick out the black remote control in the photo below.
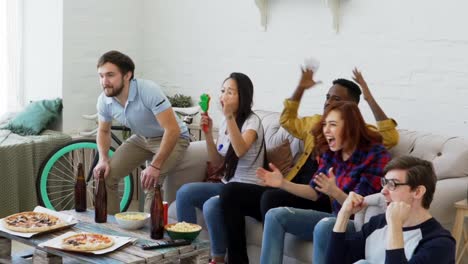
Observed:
{"x":163,"y":243}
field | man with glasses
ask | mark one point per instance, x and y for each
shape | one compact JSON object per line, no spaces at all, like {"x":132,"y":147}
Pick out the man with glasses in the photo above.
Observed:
{"x":407,"y":232}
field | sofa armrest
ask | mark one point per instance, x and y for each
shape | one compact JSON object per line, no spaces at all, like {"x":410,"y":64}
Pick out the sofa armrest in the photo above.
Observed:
{"x":192,"y":168}
{"x":376,"y":204}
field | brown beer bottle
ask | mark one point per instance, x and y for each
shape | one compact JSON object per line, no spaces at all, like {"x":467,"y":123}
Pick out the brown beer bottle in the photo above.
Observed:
{"x":100,"y":200}
{"x":80,"y":190}
{"x":157,"y":214}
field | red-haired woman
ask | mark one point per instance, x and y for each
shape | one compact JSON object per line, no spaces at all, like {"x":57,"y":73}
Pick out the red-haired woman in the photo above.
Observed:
{"x":352,"y":158}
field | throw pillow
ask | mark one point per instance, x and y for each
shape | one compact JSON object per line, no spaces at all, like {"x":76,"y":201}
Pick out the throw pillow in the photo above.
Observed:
{"x":214,"y":174}
{"x":35,"y":117}
{"x":281,"y":157}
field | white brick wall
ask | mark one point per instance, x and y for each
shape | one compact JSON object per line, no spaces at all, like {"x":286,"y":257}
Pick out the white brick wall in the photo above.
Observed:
{"x":413,"y":53}
{"x":90,"y":29}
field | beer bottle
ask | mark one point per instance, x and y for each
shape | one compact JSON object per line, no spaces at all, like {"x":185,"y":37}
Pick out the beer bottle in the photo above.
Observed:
{"x":80,"y":190}
{"x":100,"y":200}
{"x":157,"y":214}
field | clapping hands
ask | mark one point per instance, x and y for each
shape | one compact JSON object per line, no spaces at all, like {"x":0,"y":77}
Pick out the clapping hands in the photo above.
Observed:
{"x":273,"y":178}
{"x":326,"y":184}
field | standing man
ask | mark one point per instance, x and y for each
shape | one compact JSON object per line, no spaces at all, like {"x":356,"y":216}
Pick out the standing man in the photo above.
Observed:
{"x":406,"y":233}
{"x":158,"y":134}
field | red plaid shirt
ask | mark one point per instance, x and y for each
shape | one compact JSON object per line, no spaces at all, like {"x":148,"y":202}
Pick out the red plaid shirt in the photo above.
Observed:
{"x":361,"y":173}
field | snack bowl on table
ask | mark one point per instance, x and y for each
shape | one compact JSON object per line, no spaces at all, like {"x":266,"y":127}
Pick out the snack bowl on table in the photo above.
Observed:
{"x":131,"y":220}
{"x":183,"y":230}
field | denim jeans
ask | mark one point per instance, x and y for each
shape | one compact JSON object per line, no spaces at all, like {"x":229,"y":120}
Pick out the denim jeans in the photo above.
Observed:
{"x":205,"y":196}
{"x":322,"y":235}
{"x":282,"y":220}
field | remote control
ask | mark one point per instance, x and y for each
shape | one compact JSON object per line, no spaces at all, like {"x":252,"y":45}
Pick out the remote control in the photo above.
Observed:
{"x":163,"y":243}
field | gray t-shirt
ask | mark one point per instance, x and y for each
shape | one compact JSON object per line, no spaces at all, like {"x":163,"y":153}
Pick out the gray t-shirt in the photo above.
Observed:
{"x":247,"y":165}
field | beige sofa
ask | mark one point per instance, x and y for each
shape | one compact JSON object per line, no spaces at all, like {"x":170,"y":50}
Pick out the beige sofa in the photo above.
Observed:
{"x":449,"y":155}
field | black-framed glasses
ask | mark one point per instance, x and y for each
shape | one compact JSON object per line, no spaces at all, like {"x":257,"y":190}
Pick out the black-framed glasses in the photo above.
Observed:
{"x":390,"y":183}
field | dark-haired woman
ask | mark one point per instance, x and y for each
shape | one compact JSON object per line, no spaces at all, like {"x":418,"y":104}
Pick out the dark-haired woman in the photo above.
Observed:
{"x":239,"y":149}
{"x":352,"y":158}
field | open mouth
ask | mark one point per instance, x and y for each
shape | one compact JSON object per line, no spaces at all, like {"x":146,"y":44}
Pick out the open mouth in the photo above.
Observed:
{"x":331,"y":142}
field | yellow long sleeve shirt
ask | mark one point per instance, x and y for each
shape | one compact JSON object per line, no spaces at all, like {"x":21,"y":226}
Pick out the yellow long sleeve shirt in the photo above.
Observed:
{"x":301,"y":127}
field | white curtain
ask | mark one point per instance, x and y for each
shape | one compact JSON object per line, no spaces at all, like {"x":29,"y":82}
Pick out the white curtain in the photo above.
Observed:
{"x":11,"y":92}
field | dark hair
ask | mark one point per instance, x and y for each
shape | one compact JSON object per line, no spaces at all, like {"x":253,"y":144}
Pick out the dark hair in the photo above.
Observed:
{"x":418,"y":172}
{"x":353,"y":89}
{"x":355,"y":131}
{"x":245,"y":92}
{"x":122,"y":61}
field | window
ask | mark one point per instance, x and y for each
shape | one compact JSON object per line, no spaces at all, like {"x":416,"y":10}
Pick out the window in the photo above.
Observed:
{"x":10,"y":54}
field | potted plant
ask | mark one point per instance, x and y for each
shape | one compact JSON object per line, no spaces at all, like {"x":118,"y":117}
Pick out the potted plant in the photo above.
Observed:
{"x":180,"y":100}
{"x":183,"y":101}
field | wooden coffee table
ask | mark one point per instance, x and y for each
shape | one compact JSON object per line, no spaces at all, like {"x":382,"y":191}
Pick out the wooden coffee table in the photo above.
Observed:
{"x":196,"y":253}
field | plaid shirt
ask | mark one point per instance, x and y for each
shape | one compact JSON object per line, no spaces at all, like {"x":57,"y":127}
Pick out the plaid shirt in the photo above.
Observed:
{"x":361,"y":173}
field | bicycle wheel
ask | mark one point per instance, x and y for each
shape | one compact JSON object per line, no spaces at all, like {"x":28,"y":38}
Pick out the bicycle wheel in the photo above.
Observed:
{"x":56,"y":178}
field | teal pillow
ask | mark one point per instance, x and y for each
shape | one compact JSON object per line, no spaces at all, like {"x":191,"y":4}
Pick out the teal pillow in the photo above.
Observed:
{"x":35,"y":117}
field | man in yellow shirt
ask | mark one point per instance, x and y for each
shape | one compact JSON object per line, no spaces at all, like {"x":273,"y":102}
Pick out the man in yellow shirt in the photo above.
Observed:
{"x":239,"y":200}
{"x":342,"y":90}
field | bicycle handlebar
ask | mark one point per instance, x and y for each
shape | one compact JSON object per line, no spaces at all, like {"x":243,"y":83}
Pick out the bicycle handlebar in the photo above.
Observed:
{"x":187,"y":111}
{"x":183,"y":111}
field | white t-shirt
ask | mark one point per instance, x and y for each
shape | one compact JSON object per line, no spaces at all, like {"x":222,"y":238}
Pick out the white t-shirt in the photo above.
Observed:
{"x":247,"y":165}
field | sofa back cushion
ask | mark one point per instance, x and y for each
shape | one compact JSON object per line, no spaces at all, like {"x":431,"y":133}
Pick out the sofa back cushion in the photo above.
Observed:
{"x":281,"y":157}
{"x":448,"y":154}
{"x":275,"y":135}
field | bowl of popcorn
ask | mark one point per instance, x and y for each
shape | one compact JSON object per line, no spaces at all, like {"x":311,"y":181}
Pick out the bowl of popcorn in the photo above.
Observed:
{"x":183,"y":230}
{"x":131,"y":220}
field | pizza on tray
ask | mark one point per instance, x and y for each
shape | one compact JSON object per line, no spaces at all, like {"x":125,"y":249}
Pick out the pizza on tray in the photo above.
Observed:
{"x":32,"y":222}
{"x":87,"y":242}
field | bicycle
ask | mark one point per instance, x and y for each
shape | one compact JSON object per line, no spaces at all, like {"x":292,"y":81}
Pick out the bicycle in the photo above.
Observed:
{"x":56,"y":176}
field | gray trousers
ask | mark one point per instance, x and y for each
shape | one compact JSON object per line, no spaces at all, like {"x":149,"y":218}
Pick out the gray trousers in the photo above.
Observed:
{"x":131,"y":154}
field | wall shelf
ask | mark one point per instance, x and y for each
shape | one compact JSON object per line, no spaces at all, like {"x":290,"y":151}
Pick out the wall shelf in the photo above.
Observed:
{"x":262,"y":6}
{"x":334,"y":6}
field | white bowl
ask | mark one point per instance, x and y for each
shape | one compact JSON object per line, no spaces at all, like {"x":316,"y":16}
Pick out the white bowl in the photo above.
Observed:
{"x":132,"y":220}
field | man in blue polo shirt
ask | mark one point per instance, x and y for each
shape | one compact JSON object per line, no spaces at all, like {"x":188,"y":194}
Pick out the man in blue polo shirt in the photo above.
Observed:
{"x":159,"y":135}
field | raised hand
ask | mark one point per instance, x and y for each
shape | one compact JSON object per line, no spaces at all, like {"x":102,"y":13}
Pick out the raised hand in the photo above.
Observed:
{"x":272,"y":178}
{"x":353,"y":204}
{"x":229,"y":107}
{"x":357,"y":77}
{"x":326,"y":184}
{"x":206,"y":121}
{"x":307,"y":79}
{"x":397,"y":213}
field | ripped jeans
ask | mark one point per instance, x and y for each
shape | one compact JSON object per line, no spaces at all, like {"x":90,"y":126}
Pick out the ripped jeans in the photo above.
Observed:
{"x":282,"y":220}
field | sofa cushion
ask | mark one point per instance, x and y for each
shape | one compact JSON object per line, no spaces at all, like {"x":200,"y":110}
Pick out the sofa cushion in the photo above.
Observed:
{"x":281,"y":157}
{"x":275,"y":135}
{"x":448,"y":154}
{"x":35,"y":117}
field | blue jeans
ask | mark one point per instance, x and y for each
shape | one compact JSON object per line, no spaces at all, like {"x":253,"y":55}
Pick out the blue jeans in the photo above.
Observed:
{"x":322,"y":235}
{"x":205,"y":196}
{"x":282,"y":220}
